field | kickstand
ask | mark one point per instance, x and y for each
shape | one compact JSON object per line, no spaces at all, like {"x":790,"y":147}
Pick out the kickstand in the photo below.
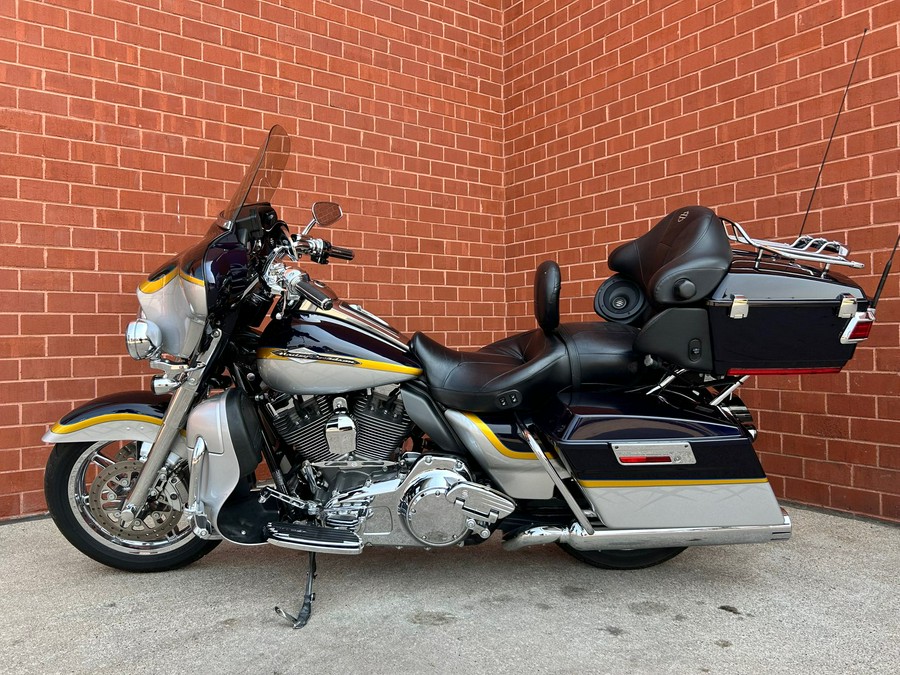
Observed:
{"x":306,"y":607}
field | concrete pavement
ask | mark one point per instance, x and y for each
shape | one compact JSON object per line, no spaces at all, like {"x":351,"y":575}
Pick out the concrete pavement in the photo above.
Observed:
{"x":827,"y":601}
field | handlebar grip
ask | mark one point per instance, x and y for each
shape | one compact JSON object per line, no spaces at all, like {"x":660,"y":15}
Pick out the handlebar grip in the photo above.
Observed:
{"x":339,"y":252}
{"x":312,"y":293}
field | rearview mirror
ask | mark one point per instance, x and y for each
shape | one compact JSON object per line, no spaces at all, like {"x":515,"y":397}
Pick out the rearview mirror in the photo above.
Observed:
{"x":326,"y":213}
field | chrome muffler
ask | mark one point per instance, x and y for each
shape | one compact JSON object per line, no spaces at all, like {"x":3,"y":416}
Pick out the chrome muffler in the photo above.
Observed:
{"x":576,"y":537}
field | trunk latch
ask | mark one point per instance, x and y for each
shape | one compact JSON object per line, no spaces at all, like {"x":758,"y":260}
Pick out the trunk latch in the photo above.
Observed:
{"x":740,"y":307}
{"x":848,"y":306}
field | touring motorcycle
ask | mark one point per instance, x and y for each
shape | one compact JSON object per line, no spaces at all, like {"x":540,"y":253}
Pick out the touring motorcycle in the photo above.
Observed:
{"x":622,"y":441}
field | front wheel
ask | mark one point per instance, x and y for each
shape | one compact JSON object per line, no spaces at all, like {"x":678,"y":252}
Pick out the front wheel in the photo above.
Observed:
{"x":86,"y":484}
{"x":630,"y":559}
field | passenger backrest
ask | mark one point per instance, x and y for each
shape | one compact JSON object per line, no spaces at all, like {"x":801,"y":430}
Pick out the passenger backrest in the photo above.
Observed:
{"x":681,"y":260}
{"x":547,"y":282}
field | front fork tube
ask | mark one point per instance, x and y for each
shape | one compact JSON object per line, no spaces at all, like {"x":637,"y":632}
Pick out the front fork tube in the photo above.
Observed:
{"x":172,"y":423}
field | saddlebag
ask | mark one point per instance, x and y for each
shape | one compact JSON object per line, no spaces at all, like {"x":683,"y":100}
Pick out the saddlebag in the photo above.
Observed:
{"x":643,"y":463}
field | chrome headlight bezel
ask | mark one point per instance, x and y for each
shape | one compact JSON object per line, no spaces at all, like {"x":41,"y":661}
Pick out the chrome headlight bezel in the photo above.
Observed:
{"x":143,"y":339}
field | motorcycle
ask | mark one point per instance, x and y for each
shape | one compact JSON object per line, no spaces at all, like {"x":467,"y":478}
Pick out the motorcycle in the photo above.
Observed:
{"x":622,"y":441}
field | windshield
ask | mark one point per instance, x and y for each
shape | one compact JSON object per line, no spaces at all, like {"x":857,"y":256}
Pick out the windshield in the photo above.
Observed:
{"x":263,"y":175}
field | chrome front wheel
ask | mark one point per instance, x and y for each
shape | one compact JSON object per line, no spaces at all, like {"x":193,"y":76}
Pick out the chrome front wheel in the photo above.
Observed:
{"x":86,"y":484}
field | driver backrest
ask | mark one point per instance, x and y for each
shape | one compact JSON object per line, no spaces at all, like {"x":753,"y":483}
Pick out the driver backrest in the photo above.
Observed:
{"x":681,"y":260}
{"x":547,"y":282}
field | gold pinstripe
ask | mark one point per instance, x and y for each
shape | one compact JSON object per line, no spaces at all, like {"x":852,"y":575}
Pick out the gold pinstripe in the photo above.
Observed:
{"x":666,"y":483}
{"x":492,"y":437}
{"x":100,"y":419}
{"x":156,"y":284}
{"x":194,"y":280}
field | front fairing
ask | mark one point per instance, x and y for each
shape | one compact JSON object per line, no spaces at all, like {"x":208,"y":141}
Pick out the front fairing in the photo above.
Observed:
{"x":213,"y":275}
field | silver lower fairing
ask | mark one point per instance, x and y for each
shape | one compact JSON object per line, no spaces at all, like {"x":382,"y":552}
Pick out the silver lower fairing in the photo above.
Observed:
{"x":576,"y":537}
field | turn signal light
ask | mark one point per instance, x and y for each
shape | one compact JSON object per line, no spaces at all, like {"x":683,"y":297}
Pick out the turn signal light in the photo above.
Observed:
{"x":859,"y":327}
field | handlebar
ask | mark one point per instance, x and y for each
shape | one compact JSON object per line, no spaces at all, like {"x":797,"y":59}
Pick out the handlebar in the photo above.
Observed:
{"x":320,"y":250}
{"x":296,"y":284}
{"x":338,"y":252}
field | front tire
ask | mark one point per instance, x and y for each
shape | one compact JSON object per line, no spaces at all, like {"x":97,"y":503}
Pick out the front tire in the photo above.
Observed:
{"x":631,"y":559}
{"x":85,"y":484}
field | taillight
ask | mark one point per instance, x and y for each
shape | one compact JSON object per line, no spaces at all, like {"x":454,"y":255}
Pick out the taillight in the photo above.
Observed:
{"x":646,"y":459}
{"x":859,"y":327}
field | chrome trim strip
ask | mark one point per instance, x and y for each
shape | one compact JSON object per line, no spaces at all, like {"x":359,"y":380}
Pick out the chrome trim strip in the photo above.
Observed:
{"x":576,"y":537}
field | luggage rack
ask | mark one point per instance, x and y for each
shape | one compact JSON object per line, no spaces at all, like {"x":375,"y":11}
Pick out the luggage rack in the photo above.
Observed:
{"x":810,"y":249}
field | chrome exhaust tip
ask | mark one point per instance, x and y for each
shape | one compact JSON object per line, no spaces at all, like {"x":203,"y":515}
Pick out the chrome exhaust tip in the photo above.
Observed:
{"x":576,"y":537}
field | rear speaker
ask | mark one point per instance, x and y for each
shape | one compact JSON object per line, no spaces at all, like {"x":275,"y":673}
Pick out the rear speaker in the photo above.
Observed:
{"x":619,"y":299}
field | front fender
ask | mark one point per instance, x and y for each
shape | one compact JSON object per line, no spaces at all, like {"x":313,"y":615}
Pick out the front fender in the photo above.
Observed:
{"x":128,"y":415}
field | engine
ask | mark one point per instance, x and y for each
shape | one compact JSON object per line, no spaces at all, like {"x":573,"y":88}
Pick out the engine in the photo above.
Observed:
{"x":370,"y":425}
{"x":369,"y":484}
{"x":432,"y":501}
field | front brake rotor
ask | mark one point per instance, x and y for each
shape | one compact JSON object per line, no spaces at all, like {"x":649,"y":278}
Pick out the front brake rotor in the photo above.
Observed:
{"x":110,"y":488}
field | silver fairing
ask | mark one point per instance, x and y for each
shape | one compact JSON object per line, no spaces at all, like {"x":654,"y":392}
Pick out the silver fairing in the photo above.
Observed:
{"x":220,"y":470}
{"x":177,"y":304}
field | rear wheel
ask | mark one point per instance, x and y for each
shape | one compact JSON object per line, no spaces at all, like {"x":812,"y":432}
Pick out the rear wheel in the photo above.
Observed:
{"x":630,"y":559}
{"x":86,"y":484}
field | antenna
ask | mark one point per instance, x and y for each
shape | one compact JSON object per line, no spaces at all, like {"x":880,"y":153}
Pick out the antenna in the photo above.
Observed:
{"x":833,"y":129}
{"x":884,"y":276}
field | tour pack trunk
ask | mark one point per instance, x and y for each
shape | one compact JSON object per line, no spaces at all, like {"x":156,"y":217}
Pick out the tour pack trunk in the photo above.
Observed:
{"x":771,"y":315}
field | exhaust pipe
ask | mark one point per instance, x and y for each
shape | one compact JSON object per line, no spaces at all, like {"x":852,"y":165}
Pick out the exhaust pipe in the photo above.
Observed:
{"x":576,"y":537}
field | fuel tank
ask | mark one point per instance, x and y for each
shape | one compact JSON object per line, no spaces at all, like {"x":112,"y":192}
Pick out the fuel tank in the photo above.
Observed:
{"x":333,"y":351}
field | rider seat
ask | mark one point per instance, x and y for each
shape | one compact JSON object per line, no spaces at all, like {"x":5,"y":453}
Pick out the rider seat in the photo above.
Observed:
{"x":523,"y":370}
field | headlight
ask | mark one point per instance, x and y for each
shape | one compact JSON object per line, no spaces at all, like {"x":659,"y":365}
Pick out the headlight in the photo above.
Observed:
{"x":143,"y":339}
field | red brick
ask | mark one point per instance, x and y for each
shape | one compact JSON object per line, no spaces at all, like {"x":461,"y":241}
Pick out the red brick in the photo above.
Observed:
{"x":857,"y":501}
{"x":10,"y":506}
{"x":877,"y":478}
{"x":805,"y":491}
{"x":462,"y":157}
{"x":33,"y":502}
{"x":21,"y":481}
{"x":890,"y":507}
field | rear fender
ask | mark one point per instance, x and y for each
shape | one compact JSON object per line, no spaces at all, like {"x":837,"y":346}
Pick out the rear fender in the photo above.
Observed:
{"x":125,"y":416}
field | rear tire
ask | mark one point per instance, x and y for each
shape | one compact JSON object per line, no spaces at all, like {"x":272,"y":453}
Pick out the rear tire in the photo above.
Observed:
{"x":84,"y":484}
{"x":631,"y":559}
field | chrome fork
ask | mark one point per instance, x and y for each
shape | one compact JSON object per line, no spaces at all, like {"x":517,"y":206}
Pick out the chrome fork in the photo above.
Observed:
{"x":172,"y":422}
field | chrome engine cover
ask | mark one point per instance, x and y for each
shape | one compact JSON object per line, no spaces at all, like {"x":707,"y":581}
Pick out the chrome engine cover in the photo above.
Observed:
{"x":425,"y":513}
{"x":434,"y":504}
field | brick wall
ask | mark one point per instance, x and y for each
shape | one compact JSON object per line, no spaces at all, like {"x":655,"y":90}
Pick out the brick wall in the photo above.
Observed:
{"x":123,"y":128}
{"x":466,"y":141}
{"x":618,"y":112}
